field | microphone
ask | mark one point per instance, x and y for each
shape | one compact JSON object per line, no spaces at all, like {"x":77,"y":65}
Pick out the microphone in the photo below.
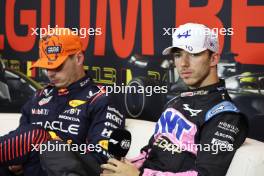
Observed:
{"x":119,"y":143}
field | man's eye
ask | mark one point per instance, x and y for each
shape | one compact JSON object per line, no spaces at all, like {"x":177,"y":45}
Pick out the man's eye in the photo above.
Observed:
{"x":176,"y":55}
{"x":196,"y":54}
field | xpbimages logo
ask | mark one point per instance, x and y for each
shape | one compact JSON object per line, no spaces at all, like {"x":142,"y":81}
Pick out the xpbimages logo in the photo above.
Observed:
{"x":82,"y":32}
{"x":219,"y":31}
{"x":132,"y":89}
{"x":58,"y":146}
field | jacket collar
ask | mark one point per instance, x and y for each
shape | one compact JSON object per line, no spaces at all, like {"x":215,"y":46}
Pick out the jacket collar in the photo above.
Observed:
{"x":217,"y":87}
{"x":83,"y":82}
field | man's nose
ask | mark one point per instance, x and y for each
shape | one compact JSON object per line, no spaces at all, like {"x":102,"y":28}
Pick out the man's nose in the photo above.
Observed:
{"x":185,"y":60}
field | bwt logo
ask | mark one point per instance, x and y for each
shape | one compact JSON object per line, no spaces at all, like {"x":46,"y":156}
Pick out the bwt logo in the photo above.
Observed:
{"x":171,"y":122}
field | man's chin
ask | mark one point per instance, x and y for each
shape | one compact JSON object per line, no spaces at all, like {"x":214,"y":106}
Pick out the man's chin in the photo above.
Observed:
{"x":190,"y":82}
{"x":59,"y":85}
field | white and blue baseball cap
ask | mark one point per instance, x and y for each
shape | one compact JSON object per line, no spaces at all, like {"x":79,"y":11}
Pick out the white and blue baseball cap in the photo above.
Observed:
{"x":194,"y":38}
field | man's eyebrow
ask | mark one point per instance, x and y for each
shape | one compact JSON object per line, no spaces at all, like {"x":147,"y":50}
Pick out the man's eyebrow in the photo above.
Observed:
{"x":176,"y":52}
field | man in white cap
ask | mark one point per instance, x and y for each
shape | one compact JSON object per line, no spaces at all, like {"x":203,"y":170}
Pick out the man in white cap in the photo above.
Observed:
{"x":200,"y":130}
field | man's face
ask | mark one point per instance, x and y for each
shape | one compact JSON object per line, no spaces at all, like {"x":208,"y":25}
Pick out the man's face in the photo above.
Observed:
{"x":194,"y":69}
{"x":65,"y":74}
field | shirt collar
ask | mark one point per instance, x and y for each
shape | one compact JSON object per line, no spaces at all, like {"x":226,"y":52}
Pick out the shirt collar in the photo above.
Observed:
{"x":217,"y":87}
{"x":83,"y":82}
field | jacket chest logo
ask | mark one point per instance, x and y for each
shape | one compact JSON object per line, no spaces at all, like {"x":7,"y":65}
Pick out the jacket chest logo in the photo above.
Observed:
{"x":173,"y":122}
{"x":193,"y":112}
{"x":44,"y":101}
{"x":75,"y":103}
{"x":72,"y":111}
{"x":39,"y":111}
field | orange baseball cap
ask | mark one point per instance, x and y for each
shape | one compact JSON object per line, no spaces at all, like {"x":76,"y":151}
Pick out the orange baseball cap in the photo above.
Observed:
{"x":56,"y":46}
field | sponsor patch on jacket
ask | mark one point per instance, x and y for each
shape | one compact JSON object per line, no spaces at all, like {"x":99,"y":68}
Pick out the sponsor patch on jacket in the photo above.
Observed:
{"x":193,"y":112}
{"x":103,"y":144}
{"x":44,"y":101}
{"x":83,"y":83}
{"x":223,"y":144}
{"x":173,"y":122}
{"x":54,"y":136}
{"x":75,"y":103}
{"x":225,"y":106}
{"x":228,"y":127}
{"x":40,"y":111}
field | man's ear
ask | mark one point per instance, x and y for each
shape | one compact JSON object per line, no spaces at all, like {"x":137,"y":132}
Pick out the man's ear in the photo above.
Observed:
{"x":215,"y":57}
{"x":80,"y":58}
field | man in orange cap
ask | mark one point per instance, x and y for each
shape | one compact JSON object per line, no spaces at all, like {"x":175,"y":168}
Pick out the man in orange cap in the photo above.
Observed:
{"x":71,"y":108}
{"x":61,"y":55}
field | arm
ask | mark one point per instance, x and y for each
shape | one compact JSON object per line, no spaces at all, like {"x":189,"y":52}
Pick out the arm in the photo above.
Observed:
{"x":26,"y":109}
{"x":24,"y":119}
{"x":16,"y":147}
{"x":121,"y":168}
{"x":140,"y":159}
{"x":132,"y":167}
{"x":228,"y":130}
{"x":105,"y":118}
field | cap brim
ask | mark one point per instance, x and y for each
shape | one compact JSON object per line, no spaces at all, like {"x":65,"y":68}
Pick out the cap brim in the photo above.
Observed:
{"x":168,"y":50}
{"x":45,"y":63}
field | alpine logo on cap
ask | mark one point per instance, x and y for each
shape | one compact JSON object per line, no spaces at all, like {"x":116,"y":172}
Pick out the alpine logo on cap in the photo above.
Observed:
{"x":185,"y":34}
{"x":53,"y":49}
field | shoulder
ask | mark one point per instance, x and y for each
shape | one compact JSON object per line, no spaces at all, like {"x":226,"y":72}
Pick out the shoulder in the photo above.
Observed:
{"x":96,"y":93}
{"x":172,"y":102}
{"x":40,"y":97}
{"x":226,"y":115}
{"x":221,"y":108}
